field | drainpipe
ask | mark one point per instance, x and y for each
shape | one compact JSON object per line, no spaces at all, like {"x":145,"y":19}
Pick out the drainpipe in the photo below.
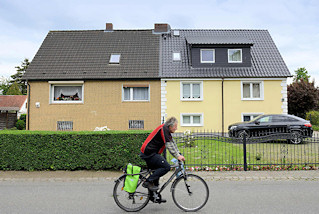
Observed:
{"x":28,"y":110}
{"x":223,"y":106}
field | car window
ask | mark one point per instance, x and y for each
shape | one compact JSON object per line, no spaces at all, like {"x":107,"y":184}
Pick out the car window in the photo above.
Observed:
{"x":265,"y":119}
{"x":279,"y":118}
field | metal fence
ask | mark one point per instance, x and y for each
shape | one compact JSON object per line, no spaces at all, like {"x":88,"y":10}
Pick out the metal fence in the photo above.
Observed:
{"x":274,"y":151}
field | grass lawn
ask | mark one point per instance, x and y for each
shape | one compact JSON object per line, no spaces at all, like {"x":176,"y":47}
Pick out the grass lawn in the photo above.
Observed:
{"x":212,"y":152}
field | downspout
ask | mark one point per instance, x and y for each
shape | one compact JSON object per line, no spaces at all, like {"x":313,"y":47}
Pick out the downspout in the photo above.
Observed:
{"x":28,"y":110}
{"x":223,"y":106}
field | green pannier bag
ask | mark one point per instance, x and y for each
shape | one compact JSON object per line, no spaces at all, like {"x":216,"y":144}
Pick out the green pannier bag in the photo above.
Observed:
{"x":130,"y":182}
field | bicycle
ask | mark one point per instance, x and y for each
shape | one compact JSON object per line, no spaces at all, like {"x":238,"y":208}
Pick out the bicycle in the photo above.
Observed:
{"x":189,"y":191}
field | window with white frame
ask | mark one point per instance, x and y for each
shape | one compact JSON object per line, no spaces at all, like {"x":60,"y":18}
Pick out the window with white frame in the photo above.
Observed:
{"x":252,"y":90}
{"x":235,"y":56}
{"x":191,"y":91}
{"x":176,"y":56}
{"x":66,"y":92}
{"x":190,"y":119}
{"x":207,"y":55}
{"x":249,"y":116}
{"x":133,"y":93}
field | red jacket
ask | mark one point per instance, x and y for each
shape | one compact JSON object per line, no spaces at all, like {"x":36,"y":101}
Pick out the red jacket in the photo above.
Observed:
{"x":155,"y":142}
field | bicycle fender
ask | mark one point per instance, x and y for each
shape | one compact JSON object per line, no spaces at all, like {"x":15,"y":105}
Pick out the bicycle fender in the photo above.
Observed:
{"x":120,"y":178}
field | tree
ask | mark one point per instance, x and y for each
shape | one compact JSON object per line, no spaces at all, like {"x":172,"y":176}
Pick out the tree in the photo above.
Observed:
{"x":303,"y":96}
{"x":14,"y":89}
{"x":18,"y":76}
{"x":301,"y":73}
{"x":4,"y":85}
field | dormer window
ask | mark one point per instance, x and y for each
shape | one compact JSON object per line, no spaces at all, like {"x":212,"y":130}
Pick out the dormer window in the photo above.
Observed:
{"x":207,"y":55}
{"x":176,"y":56}
{"x":235,"y":56}
{"x":115,"y":58}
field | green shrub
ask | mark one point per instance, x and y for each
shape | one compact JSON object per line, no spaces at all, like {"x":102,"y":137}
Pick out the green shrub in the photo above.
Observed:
{"x":23,"y":117}
{"x":36,"y":150}
{"x":314,"y":117}
{"x":20,"y":124}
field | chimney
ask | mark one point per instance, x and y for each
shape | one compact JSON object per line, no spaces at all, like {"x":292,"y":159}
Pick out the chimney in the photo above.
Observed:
{"x":161,"y":28}
{"x":109,"y":27}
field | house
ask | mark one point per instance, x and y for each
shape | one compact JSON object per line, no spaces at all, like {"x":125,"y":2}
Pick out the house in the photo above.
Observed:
{"x":80,"y":80}
{"x":135,"y":79}
{"x":11,"y":107}
{"x":212,"y":78}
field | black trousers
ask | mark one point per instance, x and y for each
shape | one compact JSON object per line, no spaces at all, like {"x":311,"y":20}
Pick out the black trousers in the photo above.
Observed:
{"x":160,"y":165}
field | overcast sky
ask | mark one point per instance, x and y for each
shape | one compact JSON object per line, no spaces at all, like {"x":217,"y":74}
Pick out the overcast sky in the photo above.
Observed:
{"x":293,"y":24}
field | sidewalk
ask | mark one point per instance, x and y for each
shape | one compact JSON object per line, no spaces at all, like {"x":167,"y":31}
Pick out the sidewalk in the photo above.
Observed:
{"x":311,"y":175}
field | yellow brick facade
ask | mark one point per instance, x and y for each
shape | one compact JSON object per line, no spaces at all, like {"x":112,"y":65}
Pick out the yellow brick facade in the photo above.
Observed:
{"x":102,"y":106}
{"x":210,"y":107}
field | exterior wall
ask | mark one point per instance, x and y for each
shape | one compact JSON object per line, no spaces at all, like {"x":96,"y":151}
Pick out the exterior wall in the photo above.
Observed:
{"x":103,"y":106}
{"x":211,"y":105}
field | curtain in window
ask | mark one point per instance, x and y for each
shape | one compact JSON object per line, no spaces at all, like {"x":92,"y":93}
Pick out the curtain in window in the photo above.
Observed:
{"x":186,"y":91}
{"x":186,"y":119}
{"x":126,"y":93}
{"x":66,"y":93}
{"x":234,"y":55}
{"x":256,"y":90}
{"x":196,"y":119}
{"x":246,"y":90}
{"x":140,"y":93}
{"x":196,"y":90}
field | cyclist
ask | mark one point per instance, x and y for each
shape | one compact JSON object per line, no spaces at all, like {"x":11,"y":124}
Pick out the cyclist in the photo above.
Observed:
{"x":152,"y":148}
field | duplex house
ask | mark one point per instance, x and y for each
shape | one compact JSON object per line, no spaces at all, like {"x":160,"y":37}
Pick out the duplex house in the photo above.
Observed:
{"x":212,"y":78}
{"x":80,"y":80}
{"x":135,"y":79}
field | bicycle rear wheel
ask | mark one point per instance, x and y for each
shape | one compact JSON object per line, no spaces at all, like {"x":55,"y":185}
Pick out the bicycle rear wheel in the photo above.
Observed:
{"x":190,"y":194}
{"x":130,"y":202}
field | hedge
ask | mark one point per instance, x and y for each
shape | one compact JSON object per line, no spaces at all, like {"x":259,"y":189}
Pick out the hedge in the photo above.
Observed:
{"x":43,"y":150}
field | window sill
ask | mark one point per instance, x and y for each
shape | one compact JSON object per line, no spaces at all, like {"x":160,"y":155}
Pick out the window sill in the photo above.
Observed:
{"x":252,"y":99}
{"x":190,"y":125}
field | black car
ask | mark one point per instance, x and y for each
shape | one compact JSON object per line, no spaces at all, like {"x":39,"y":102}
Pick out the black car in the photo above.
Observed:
{"x":273,"y":123}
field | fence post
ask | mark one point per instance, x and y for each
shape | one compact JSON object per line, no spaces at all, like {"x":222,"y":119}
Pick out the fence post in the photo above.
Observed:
{"x":245,"y":152}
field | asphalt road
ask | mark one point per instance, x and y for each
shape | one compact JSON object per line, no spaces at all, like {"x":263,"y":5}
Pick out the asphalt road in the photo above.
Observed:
{"x":95,"y":196}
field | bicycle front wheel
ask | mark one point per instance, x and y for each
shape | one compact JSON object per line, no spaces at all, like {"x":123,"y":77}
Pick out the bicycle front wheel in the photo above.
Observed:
{"x":191,"y":193}
{"x":130,"y":202}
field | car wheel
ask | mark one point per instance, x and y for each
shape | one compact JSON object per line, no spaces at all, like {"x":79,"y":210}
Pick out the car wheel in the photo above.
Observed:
{"x":241,"y":134}
{"x":295,"y":137}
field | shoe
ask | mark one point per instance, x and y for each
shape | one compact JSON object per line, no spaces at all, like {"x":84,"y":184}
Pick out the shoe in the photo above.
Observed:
{"x":162,"y":200}
{"x":149,"y":185}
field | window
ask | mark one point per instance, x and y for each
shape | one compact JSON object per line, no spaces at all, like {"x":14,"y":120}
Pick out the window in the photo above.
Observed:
{"x":66,"y":92}
{"x":115,"y":58}
{"x":252,"y":91}
{"x":191,"y":91}
{"x":207,"y":56}
{"x":249,"y":116}
{"x":64,"y":125}
{"x":136,"y":93}
{"x":136,"y":124}
{"x":176,"y":56}
{"x":192,"y":120}
{"x":235,"y":56}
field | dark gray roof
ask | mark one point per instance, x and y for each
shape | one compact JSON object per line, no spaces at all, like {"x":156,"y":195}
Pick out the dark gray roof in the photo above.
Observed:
{"x":67,"y":55}
{"x":217,"y":40}
{"x":266,"y":60}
